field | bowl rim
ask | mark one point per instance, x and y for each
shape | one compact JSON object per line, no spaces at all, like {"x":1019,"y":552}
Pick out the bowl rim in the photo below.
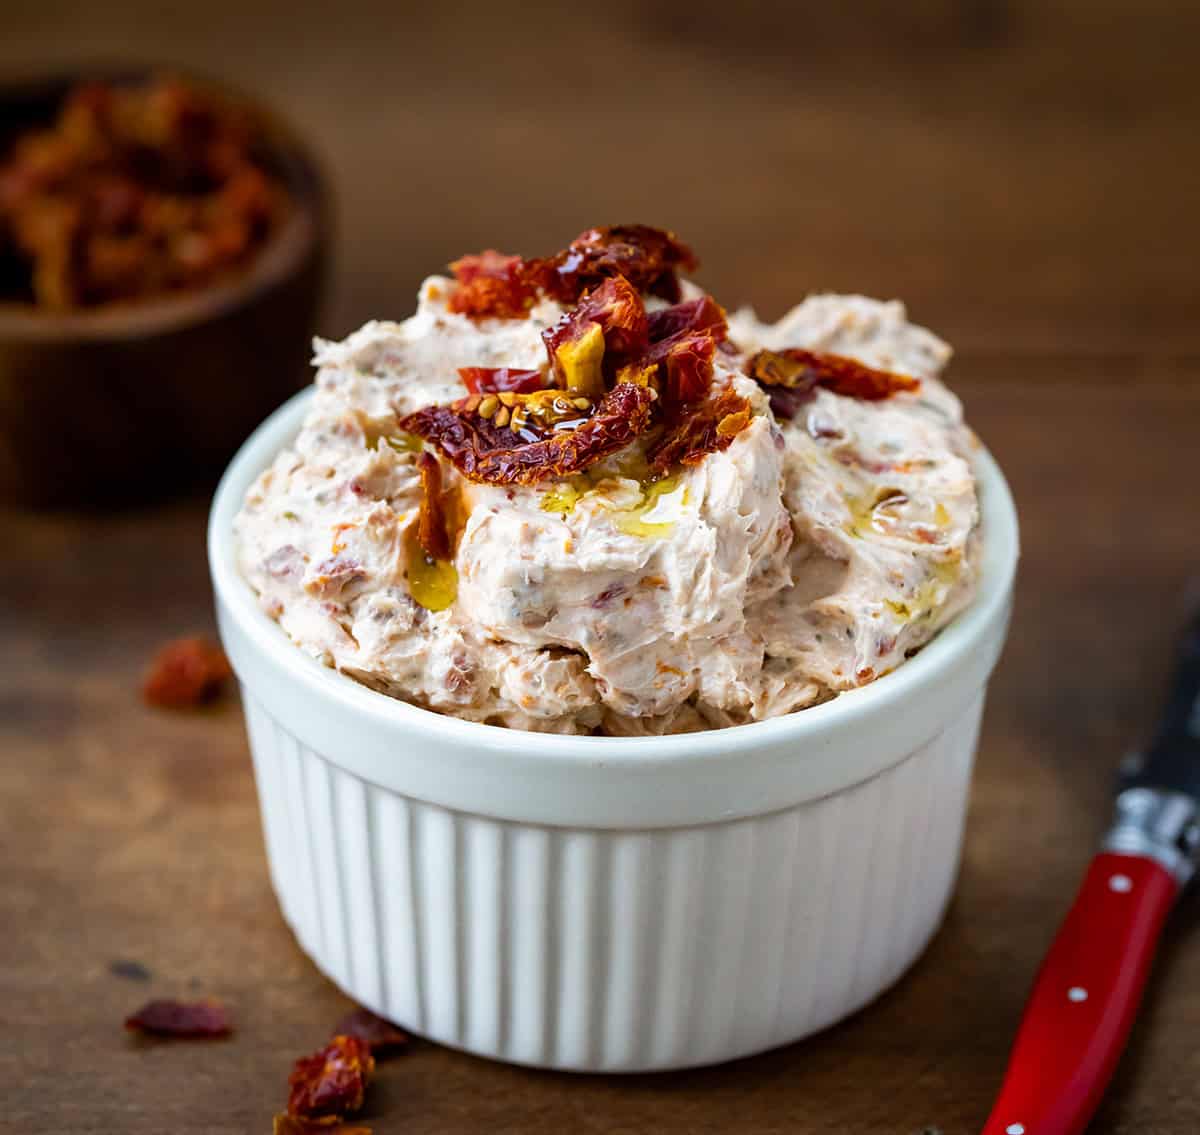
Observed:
{"x":920,"y":675}
{"x":299,"y":170}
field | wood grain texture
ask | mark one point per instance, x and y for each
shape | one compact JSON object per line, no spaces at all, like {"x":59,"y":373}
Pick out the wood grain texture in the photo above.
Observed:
{"x":1025,"y":175}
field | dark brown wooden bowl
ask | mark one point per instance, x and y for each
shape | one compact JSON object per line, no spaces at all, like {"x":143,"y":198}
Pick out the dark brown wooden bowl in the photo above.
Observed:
{"x":135,"y":401}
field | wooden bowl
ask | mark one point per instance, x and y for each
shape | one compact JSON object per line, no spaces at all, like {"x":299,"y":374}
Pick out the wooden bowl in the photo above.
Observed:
{"x":135,"y":401}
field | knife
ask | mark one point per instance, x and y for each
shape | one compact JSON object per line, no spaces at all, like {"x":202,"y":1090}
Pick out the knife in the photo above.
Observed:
{"x":1086,"y":993}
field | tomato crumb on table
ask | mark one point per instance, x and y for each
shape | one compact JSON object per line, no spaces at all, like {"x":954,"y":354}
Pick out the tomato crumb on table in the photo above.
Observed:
{"x":165,"y":1018}
{"x":380,"y":1034}
{"x":186,"y":672}
{"x":332,"y":1081}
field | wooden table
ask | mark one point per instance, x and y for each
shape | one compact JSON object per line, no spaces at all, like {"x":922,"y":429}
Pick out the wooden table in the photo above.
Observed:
{"x":1026,"y":178}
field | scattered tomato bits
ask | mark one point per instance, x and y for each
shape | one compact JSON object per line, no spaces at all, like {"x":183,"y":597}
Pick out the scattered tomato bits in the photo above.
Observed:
{"x":332,"y":1082}
{"x":790,"y":377}
{"x":186,"y":672}
{"x":323,"y":1088}
{"x":381,"y":1035}
{"x":181,"y":1019}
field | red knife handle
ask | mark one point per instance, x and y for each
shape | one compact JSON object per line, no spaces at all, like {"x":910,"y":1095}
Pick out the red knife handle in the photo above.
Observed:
{"x":1084,"y":999}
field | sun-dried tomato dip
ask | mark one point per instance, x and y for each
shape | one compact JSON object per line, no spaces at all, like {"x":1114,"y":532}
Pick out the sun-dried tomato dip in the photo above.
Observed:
{"x":572,"y":495}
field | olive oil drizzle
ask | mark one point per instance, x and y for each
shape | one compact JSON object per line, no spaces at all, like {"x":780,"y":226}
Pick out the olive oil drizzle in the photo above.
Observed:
{"x":432,"y":583}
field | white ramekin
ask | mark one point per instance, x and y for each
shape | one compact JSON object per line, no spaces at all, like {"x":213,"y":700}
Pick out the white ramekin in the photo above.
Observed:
{"x":602,"y":903}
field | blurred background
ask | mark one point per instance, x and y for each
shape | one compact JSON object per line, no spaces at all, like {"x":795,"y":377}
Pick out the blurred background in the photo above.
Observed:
{"x":1024,"y":174}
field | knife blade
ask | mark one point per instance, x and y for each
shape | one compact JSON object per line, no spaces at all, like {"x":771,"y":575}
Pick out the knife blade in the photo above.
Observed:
{"x":1173,"y":758}
{"x":1086,"y":994}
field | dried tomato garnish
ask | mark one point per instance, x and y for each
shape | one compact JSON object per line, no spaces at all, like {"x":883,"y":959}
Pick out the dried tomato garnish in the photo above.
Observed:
{"x":684,"y":337}
{"x":597,"y":338}
{"x":492,"y":285}
{"x":181,"y":1019}
{"x":431,"y":521}
{"x":616,"y":306}
{"x":689,"y":365}
{"x":482,"y":451}
{"x":647,"y":257}
{"x":799,"y":372}
{"x":298,"y":1125}
{"x":609,"y":337}
{"x":705,"y":427}
{"x":186,"y":672}
{"x":702,"y":314}
{"x":331,"y":1082}
{"x":492,"y":380}
{"x":382,"y":1036}
{"x":612,"y":363}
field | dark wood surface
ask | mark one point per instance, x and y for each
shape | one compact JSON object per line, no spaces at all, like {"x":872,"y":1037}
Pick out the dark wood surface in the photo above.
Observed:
{"x":1025,"y":175}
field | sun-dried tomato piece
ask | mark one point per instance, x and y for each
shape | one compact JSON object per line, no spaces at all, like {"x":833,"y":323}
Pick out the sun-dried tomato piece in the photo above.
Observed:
{"x":431,"y":521}
{"x":186,"y":672}
{"x":488,"y":263}
{"x":618,"y":308}
{"x":689,"y":367}
{"x":610,"y":338}
{"x":684,"y":338}
{"x":786,"y":402}
{"x":482,"y":451}
{"x":702,"y":314}
{"x":592,"y":342}
{"x":383,"y":1037}
{"x":492,"y":285}
{"x":331,"y":1082}
{"x":647,"y":257}
{"x":298,"y":1125}
{"x":799,"y":372}
{"x":492,"y":380}
{"x":704,"y":428}
{"x":181,"y":1019}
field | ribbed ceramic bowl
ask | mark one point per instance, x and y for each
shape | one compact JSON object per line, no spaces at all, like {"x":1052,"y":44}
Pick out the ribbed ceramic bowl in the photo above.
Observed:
{"x":618,"y":903}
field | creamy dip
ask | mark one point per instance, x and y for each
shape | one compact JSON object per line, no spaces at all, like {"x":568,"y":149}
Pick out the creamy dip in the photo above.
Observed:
{"x":809,"y":557}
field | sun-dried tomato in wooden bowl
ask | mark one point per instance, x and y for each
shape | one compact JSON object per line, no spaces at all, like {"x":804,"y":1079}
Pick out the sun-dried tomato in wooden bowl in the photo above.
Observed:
{"x":162,"y":248}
